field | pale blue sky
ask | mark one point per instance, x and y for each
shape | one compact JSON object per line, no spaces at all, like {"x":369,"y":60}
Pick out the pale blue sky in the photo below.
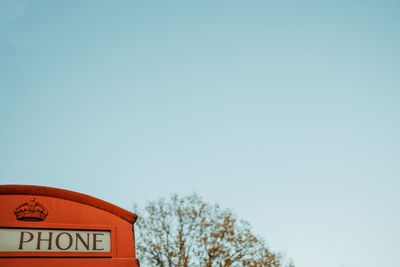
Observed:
{"x":285,"y":111}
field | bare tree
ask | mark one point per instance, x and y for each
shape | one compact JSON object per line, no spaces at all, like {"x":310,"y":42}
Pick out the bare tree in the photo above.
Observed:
{"x":185,"y":231}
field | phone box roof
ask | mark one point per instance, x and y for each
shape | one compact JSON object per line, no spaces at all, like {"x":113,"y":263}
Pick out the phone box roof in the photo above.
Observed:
{"x":32,"y":208}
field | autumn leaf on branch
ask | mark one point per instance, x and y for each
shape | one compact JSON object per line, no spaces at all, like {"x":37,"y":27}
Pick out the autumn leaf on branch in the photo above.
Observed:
{"x":186,"y":231}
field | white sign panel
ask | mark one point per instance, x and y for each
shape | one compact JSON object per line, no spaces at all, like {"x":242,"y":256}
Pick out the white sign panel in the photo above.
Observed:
{"x":49,"y":240}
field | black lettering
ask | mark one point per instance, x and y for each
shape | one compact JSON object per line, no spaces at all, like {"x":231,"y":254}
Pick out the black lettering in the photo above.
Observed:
{"x":22,"y":241}
{"x":85,"y":244}
{"x":95,"y":240}
{"x":58,"y":240}
{"x":40,"y":239}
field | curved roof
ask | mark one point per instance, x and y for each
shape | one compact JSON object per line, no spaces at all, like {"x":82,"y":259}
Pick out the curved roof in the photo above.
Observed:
{"x":68,"y":195}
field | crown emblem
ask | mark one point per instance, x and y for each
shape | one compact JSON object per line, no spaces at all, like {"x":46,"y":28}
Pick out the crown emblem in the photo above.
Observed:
{"x":31,"y":210}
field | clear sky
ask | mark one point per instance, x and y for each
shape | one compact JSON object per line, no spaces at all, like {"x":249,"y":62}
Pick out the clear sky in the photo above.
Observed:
{"x":287,"y":112}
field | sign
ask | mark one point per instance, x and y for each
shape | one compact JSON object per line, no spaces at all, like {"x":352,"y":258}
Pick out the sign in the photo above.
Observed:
{"x":39,"y":240}
{"x":43,"y":226}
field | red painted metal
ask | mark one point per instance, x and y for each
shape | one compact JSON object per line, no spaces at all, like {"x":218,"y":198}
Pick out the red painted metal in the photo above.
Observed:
{"x":67,"y":210}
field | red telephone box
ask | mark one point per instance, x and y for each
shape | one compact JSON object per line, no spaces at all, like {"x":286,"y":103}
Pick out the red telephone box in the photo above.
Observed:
{"x":43,"y":226}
